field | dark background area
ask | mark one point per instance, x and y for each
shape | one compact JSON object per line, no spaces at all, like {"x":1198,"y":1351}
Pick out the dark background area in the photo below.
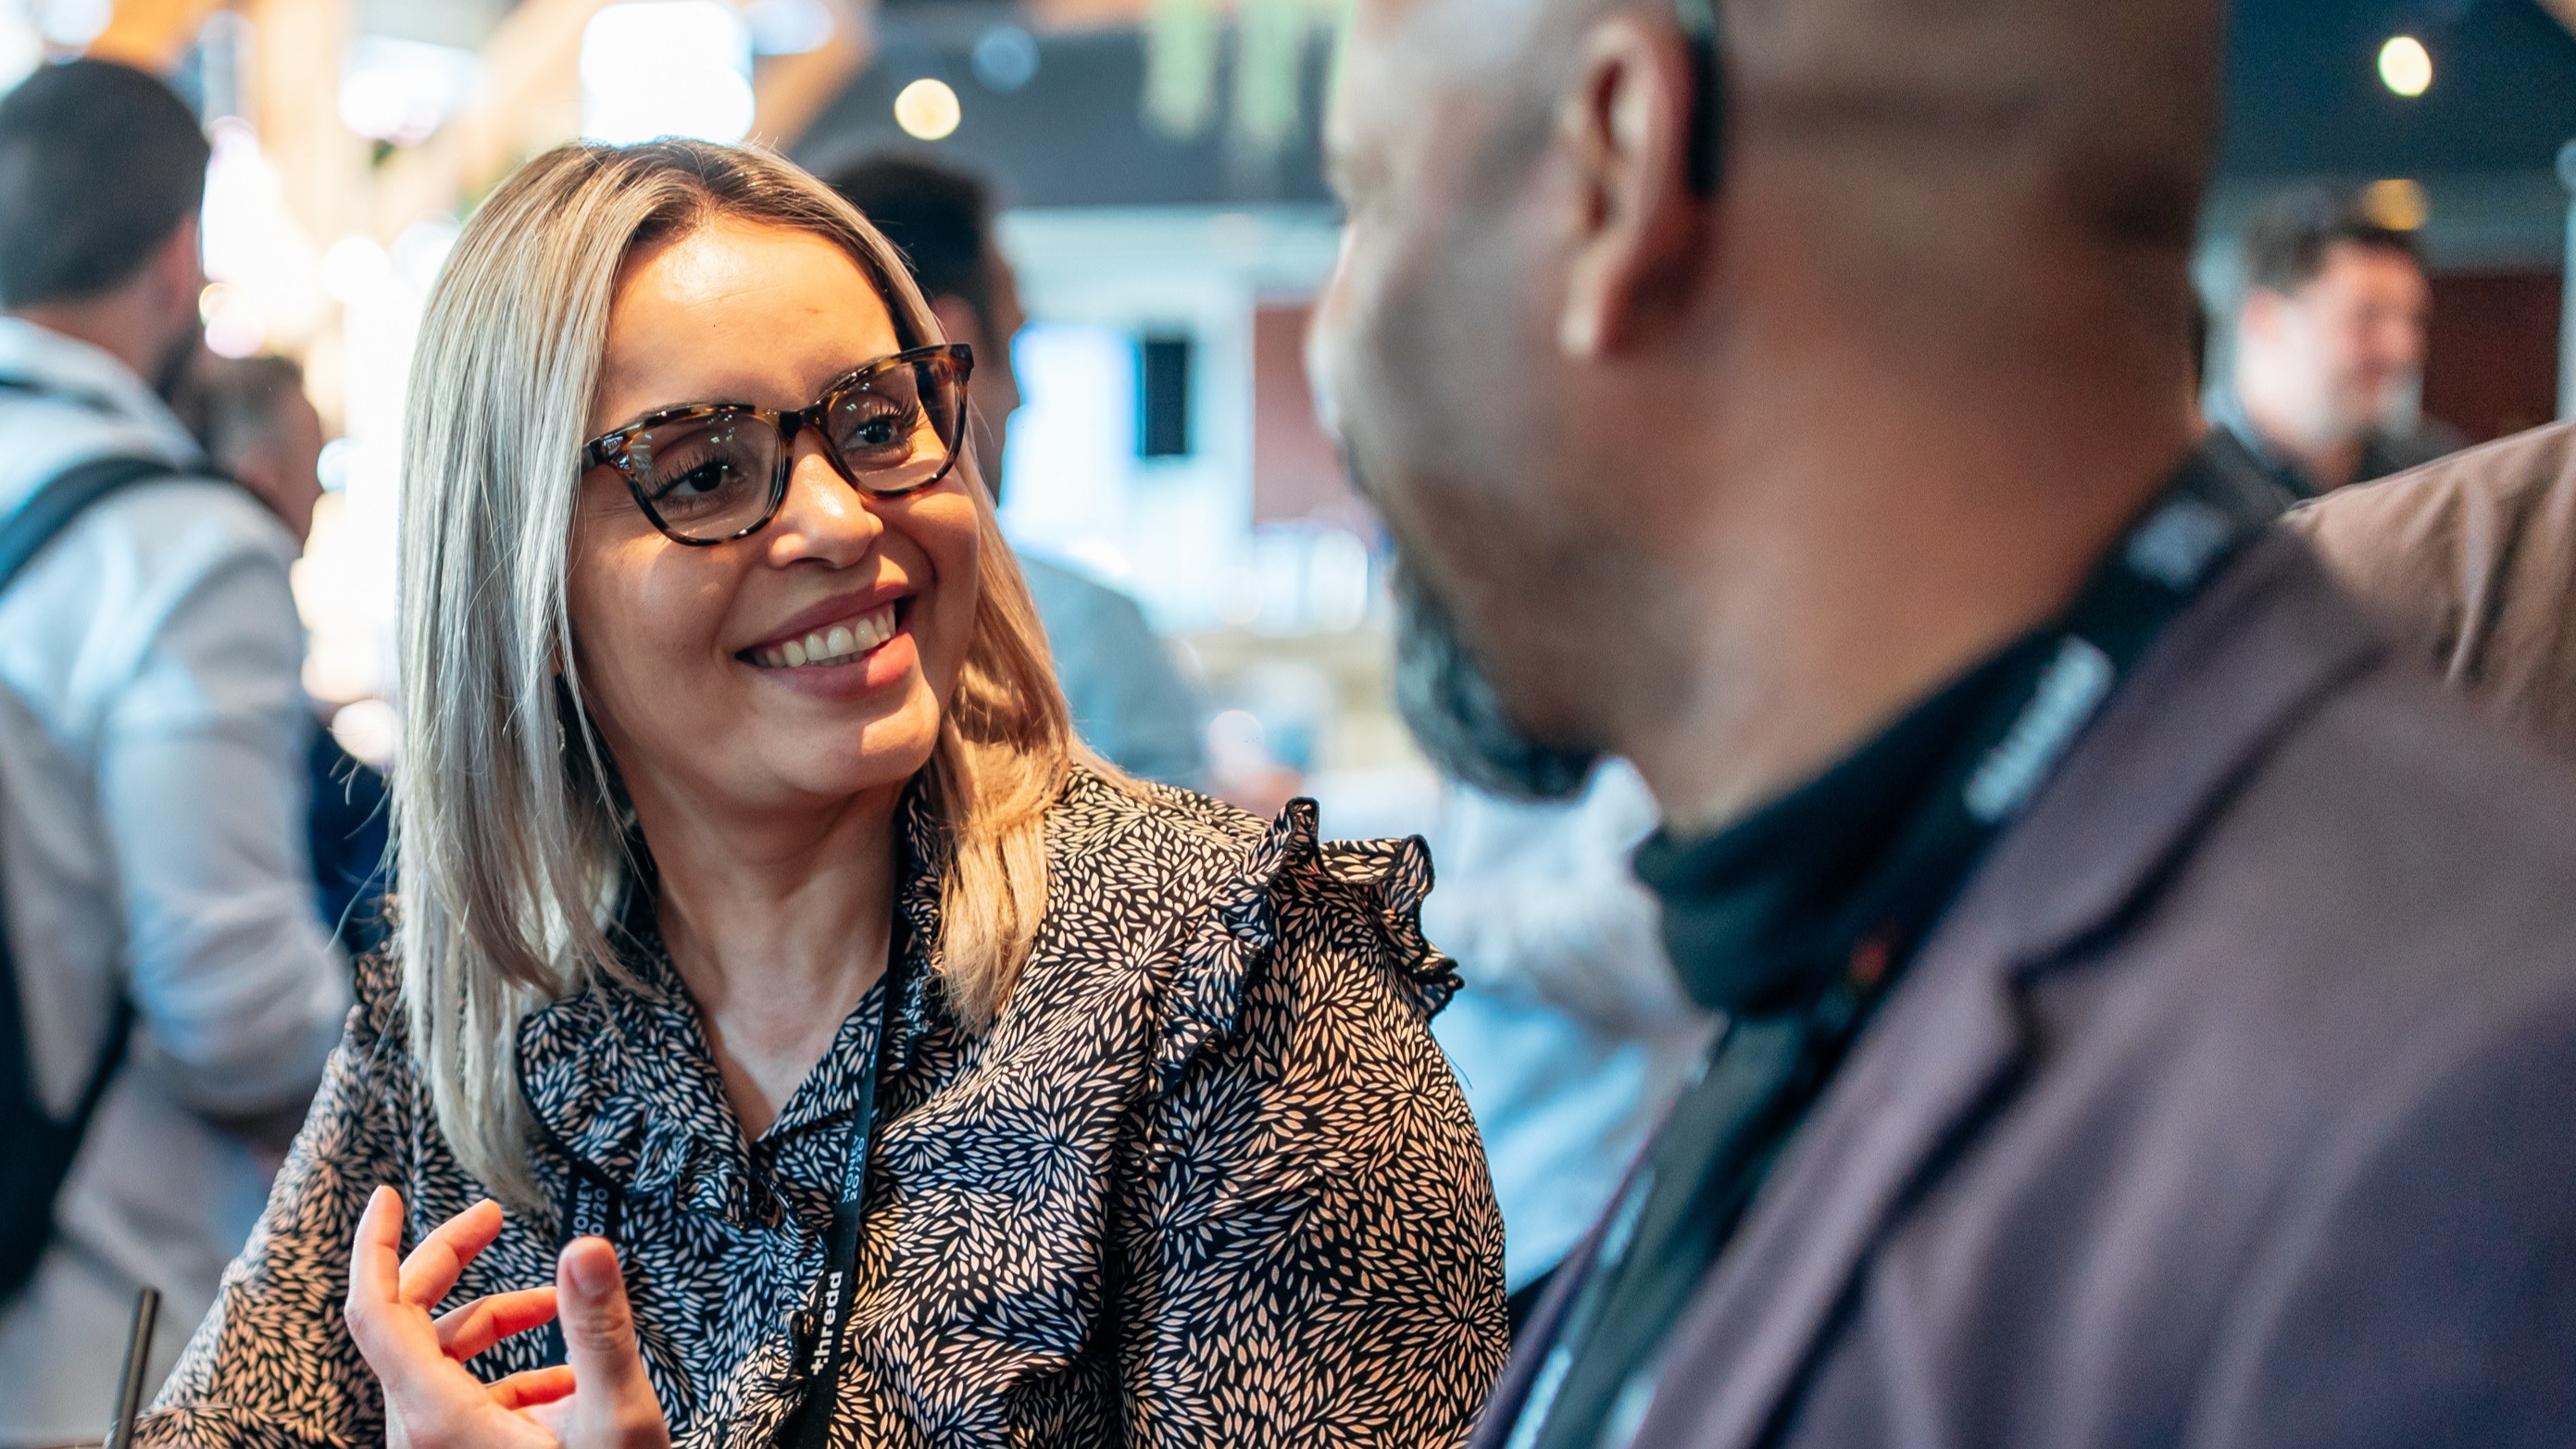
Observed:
{"x":2493,"y":365}
{"x":2303,"y":97}
{"x":2303,"y":91}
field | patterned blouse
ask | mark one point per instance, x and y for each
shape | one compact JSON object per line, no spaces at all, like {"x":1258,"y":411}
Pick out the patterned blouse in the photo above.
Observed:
{"x":1206,"y":1181}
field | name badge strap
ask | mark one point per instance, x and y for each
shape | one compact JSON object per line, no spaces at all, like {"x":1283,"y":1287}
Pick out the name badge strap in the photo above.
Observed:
{"x":830,"y":1350}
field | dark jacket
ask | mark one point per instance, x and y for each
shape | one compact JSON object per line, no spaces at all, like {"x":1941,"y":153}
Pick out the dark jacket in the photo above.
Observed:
{"x":2234,"y":438}
{"x":2228,"y":1107}
{"x":2471,"y":563}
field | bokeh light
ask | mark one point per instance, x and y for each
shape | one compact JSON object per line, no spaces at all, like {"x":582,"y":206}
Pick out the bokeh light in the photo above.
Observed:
{"x":2400,"y":204}
{"x":928,"y":109}
{"x":2405,"y":66}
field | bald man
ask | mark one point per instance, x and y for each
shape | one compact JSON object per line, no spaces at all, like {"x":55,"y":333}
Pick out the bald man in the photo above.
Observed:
{"x":2152,"y":1004}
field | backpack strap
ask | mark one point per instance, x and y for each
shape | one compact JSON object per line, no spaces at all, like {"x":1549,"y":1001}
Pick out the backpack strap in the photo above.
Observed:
{"x":36,"y":1151}
{"x":68,"y":495}
{"x":31,"y":388}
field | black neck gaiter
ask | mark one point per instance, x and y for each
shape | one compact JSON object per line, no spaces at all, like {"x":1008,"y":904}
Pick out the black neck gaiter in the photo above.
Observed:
{"x":1761,"y":918}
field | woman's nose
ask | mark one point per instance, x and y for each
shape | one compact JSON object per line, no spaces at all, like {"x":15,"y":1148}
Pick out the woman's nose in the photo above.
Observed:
{"x":822,"y":515}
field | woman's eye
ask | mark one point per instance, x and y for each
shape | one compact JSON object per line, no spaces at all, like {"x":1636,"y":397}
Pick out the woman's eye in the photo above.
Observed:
{"x":693,"y":483}
{"x":881,"y":426}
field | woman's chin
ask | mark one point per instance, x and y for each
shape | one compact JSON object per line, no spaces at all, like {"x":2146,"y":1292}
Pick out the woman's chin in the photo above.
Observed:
{"x":889,"y":752}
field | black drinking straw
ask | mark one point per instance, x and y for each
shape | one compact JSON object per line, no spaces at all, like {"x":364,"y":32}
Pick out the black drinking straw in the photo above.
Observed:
{"x":138,"y":1355}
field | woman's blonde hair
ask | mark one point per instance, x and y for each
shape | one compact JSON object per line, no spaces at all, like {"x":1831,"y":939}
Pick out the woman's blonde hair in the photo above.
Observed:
{"x":510,"y":831}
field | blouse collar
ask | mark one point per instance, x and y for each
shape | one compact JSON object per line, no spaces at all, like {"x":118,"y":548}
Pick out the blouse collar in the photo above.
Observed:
{"x":619,"y":1075}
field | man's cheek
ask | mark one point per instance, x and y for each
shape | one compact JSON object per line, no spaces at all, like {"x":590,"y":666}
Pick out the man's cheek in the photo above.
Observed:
{"x":1323,"y":342}
{"x":1338,"y":336}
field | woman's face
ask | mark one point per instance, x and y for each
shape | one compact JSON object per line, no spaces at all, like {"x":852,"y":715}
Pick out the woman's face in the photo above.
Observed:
{"x":684,"y":651}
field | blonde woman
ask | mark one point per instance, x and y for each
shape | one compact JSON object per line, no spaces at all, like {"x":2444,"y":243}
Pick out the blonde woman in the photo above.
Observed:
{"x":794,"y":1037}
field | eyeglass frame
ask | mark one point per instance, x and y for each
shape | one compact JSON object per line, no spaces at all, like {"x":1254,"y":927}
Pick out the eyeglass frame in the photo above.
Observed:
{"x":608,"y":449}
{"x":1698,"y":20}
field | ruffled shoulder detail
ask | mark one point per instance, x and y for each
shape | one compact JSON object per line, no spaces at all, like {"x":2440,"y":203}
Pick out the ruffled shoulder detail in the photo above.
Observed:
{"x":1360,"y":901}
{"x":1393,"y":878}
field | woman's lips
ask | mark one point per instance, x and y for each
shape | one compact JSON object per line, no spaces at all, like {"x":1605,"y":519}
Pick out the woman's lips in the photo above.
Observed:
{"x":839,"y":643}
{"x":819,"y":616}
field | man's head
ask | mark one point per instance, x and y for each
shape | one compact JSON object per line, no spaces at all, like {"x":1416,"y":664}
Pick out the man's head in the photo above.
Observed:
{"x":1563,"y":370}
{"x":2330,"y":341}
{"x":942,"y":219}
{"x":256,"y":423}
{"x":102,"y":170}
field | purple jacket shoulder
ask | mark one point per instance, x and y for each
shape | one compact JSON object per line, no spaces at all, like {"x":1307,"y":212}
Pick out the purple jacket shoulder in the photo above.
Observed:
{"x":2226,"y":1108}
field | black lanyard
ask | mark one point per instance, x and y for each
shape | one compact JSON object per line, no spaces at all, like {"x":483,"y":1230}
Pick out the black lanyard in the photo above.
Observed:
{"x":1721,"y":1139}
{"x":822,"y":1342}
{"x":594,"y":1206}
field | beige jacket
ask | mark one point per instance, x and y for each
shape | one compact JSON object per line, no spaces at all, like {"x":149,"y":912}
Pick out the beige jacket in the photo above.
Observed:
{"x":2472,"y":562}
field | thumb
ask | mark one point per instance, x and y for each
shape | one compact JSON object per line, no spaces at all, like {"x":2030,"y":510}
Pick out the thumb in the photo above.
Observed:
{"x":613,"y":1403}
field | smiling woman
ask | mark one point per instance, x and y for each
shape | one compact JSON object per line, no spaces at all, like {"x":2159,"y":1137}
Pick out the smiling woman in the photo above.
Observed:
{"x":784,"y":1000}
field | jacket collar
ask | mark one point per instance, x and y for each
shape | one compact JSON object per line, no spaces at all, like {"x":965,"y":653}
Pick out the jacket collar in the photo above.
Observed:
{"x":2235,"y":672}
{"x":87,"y":376}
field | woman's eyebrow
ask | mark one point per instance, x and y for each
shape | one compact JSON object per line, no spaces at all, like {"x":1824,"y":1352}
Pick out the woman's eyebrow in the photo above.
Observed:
{"x":741,"y":399}
{"x":629,"y":417}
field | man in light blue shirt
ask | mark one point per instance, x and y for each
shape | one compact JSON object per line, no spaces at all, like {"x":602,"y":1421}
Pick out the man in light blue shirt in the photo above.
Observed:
{"x":152,"y":790}
{"x":1128,"y":700}
{"x":1572,"y":1034}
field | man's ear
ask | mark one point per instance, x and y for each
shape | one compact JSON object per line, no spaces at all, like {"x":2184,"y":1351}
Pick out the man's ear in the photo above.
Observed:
{"x":957,"y":320}
{"x":1637,"y":225}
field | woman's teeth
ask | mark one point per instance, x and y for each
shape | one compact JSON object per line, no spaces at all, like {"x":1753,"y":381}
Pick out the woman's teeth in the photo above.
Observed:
{"x":837,"y":645}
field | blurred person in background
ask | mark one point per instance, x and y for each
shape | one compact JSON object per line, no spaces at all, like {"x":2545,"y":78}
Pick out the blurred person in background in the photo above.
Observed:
{"x":1129,"y":701}
{"x":2329,"y":349}
{"x":2150,"y":1004}
{"x":152,"y":728}
{"x":256,"y":424}
{"x":1571,"y":1034}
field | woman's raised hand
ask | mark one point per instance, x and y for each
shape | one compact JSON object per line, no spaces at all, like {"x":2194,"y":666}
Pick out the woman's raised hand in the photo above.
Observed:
{"x":600,"y":1399}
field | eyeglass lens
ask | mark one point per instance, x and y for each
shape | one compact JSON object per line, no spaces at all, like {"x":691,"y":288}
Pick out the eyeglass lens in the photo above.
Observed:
{"x":711,"y":477}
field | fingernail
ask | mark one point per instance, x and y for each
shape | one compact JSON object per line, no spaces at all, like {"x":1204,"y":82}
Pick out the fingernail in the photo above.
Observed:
{"x":593,"y":1273}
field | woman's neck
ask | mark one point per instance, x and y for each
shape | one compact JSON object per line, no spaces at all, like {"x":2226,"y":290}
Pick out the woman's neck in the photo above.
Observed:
{"x":778,"y":928}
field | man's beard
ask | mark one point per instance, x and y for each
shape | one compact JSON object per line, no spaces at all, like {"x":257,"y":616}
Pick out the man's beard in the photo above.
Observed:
{"x":1456,"y":715}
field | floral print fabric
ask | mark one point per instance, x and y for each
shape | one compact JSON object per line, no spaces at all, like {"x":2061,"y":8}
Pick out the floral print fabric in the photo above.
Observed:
{"x":1207,"y":1180}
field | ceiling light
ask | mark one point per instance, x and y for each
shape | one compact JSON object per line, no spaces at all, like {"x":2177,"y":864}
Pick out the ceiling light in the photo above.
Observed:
{"x":1006,"y":58}
{"x":398,"y":90}
{"x":666,"y":68}
{"x":73,"y":24}
{"x":2405,"y":66}
{"x":928,"y":110}
{"x":788,"y":27}
{"x":2399,"y":204}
